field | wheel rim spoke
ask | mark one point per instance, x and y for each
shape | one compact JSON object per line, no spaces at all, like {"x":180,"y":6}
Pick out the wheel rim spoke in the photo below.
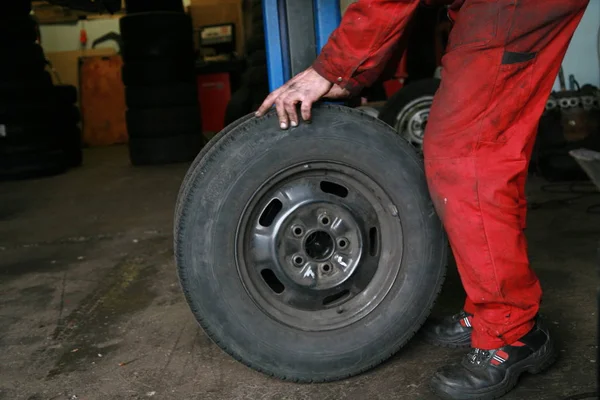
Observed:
{"x":309,"y":259}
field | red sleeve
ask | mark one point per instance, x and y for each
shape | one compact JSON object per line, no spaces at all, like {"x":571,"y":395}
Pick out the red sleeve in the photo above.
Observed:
{"x":358,"y":50}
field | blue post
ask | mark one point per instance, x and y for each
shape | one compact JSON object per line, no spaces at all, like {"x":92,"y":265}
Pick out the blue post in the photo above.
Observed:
{"x":327,"y":18}
{"x":276,"y":43}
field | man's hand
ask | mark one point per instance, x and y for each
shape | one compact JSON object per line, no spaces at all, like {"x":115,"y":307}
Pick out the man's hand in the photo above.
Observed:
{"x":306,"y":88}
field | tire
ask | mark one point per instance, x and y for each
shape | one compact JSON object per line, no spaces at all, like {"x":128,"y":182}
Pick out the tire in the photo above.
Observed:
{"x":163,"y":122}
{"x":255,"y":43}
{"x":160,"y":48}
{"x":30,"y":84}
{"x":140,"y":28}
{"x":256,"y":77}
{"x":158,"y":72}
{"x":258,"y":59}
{"x":239,"y":105}
{"x":14,"y":8}
{"x":409,"y":104}
{"x":21,"y":29}
{"x":244,"y":101}
{"x":32,"y":165}
{"x":142,"y":6}
{"x":48,"y":112}
{"x":157,"y":35}
{"x":26,"y":60}
{"x":181,"y":94}
{"x":251,"y":158}
{"x":65,"y":94}
{"x":184,"y":187}
{"x":38,"y":96}
{"x":164,"y":150}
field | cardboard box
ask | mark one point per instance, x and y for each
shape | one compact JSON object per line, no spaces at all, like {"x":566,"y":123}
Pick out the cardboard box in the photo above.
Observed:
{"x":212,"y":12}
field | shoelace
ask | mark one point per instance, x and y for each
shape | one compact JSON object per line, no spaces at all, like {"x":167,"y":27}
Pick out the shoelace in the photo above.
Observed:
{"x":478,"y":356}
{"x":459,"y":316}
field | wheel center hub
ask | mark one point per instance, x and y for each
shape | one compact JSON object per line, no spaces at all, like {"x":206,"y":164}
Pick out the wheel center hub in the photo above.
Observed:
{"x":319,"y":245}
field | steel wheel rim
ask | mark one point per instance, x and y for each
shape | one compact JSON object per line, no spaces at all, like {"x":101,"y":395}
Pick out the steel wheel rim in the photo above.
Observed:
{"x":412,"y":120}
{"x":324,"y":261}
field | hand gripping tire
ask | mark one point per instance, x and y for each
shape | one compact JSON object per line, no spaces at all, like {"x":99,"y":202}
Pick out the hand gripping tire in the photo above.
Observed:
{"x":311,"y":254}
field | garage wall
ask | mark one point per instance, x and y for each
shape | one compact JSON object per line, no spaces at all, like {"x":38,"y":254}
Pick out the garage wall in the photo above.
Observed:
{"x":65,"y":37}
{"x":581,"y":59}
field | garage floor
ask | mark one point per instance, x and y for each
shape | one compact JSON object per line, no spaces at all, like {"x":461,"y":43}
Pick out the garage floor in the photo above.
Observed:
{"x":90,"y":306}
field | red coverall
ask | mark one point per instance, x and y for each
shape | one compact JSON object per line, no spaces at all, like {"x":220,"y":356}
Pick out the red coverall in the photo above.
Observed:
{"x":501,"y":62}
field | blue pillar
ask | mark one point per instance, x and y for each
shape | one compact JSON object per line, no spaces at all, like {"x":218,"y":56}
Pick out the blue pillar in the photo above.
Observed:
{"x":327,"y":17}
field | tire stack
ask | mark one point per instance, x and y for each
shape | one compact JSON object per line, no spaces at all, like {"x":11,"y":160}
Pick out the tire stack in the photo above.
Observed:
{"x":163,"y":115}
{"x":255,"y":82}
{"x":38,"y":132}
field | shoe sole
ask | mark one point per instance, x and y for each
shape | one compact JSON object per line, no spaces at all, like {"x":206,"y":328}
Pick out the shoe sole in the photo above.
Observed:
{"x":460,"y":343}
{"x":536,"y":363}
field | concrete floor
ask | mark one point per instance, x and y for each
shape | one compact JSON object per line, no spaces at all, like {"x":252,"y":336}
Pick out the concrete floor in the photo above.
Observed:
{"x":90,"y":306}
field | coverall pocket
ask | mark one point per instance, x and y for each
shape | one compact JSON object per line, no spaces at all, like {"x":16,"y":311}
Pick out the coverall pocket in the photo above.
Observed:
{"x":514,"y":82}
{"x":476,"y":24}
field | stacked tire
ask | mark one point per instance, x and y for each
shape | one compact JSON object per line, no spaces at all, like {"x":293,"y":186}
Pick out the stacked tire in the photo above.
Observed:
{"x":163,"y":115}
{"x":38,"y":132}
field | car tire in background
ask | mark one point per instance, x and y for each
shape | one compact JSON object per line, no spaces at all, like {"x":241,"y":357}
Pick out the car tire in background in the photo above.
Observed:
{"x":407,"y":110}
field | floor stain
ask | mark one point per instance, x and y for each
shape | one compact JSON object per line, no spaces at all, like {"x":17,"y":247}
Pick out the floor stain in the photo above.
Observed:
{"x":125,"y":290}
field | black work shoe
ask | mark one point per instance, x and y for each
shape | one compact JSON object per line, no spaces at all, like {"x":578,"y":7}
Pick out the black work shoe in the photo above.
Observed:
{"x":452,"y":332}
{"x":489,"y":374}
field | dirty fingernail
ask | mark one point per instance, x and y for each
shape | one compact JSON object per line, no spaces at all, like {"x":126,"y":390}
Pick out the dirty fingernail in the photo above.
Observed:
{"x":283,"y":125}
{"x":257,"y":114}
{"x":294,"y":123}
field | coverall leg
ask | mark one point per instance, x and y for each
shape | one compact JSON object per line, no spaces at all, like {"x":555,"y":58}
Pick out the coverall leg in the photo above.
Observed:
{"x":502,"y":60}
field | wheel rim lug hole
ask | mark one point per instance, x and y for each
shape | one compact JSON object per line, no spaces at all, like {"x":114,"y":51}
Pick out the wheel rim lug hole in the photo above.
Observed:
{"x":326,"y":268}
{"x":298,"y":260}
{"x":297,"y":230}
{"x":342,"y":243}
{"x":325,"y":220}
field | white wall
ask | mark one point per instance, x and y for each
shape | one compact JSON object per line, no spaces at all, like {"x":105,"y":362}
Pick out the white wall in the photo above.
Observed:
{"x":65,"y":37}
{"x":581,"y":59}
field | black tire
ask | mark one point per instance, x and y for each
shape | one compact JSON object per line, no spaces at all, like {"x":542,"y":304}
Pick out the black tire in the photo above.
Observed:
{"x":164,"y":150}
{"x":400,"y":103}
{"x":245,"y":100}
{"x":26,"y":60}
{"x":157,"y":35}
{"x":142,"y":6}
{"x":162,"y":122}
{"x":255,"y":43}
{"x":181,"y":94}
{"x":48,"y":112}
{"x":14,"y":8}
{"x":136,"y":73}
{"x":256,"y":77}
{"x":184,"y":187}
{"x":34,"y":98}
{"x":239,"y":105}
{"x":236,"y":165}
{"x":65,"y":94}
{"x":32,"y":165}
{"x":17,"y":31}
{"x":140,"y":28}
{"x":29,"y":84}
{"x":257,"y":59}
